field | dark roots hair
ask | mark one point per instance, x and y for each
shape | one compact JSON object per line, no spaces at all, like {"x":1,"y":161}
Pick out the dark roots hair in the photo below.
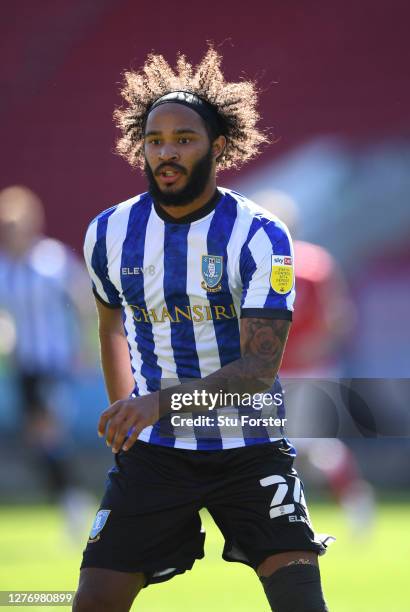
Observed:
{"x":235,"y":104}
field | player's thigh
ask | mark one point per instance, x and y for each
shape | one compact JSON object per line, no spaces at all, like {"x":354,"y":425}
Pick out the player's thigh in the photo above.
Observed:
{"x":104,"y":590}
{"x":149,"y":519}
{"x":260,"y":507}
{"x":293,"y":557}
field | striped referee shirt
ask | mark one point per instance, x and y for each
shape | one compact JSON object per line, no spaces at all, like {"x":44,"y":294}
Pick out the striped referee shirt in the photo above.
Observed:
{"x":183,"y":284}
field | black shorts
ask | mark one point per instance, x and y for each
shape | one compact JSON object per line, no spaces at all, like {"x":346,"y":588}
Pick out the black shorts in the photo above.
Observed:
{"x":149,"y":517}
{"x":34,"y":391}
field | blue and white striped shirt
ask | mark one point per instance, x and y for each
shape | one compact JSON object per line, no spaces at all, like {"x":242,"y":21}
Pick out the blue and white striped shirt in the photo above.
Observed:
{"x":37,"y":289}
{"x":183,"y":285}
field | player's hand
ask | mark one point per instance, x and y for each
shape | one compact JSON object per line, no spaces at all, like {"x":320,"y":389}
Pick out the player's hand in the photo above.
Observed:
{"x":130,"y":415}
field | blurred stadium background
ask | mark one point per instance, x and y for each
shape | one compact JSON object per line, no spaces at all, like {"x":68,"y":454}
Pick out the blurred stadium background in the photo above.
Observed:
{"x":336,"y":98}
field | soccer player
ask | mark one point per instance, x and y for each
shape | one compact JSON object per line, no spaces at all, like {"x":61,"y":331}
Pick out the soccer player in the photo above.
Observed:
{"x":40,"y":290}
{"x":193,"y":285}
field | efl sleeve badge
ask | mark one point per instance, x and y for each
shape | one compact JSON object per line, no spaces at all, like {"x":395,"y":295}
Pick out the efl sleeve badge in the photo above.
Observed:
{"x":281,"y":275}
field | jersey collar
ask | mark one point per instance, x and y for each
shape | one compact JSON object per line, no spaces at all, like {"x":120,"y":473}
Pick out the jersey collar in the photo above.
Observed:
{"x":194,"y":216}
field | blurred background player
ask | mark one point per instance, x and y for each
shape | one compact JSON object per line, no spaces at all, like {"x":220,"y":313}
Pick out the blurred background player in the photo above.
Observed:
{"x":41,"y":293}
{"x":323,"y":322}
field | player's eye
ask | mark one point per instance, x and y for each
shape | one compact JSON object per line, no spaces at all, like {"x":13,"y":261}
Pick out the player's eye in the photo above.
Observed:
{"x":184,"y":140}
{"x":155,"y":141}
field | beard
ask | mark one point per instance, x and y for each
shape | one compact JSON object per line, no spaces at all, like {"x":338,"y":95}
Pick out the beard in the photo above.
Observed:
{"x":194,"y":187}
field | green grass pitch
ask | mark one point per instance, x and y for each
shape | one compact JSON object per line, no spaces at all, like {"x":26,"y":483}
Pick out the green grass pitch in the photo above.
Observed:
{"x":367,"y":575}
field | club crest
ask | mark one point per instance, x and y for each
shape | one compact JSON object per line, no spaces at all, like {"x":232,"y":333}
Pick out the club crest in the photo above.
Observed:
{"x":99,"y":523}
{"x":212,"y":268}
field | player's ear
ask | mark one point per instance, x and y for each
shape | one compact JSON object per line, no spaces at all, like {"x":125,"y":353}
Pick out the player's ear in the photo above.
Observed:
{"x":218,"y":146}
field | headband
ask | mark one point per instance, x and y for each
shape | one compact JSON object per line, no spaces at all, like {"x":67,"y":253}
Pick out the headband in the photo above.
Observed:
{"x":206,"y":110}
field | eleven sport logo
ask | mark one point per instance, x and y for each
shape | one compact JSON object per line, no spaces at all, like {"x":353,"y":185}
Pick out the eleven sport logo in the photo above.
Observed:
{"x":281,"y":275}
{"x":212,"y":268}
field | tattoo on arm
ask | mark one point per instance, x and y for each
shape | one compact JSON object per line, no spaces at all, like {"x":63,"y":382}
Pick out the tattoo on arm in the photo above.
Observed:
{"x":262,"y":344}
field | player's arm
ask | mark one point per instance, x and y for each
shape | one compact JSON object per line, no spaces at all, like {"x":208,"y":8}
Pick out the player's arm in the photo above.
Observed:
{"x":263,"y":342}
{"x":115,"y":358}
{"x":114,"y":350}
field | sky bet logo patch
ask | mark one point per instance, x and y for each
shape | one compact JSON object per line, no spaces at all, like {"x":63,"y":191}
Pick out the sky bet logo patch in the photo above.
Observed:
{"x":99,"y":523}
{"x":281,"y":275}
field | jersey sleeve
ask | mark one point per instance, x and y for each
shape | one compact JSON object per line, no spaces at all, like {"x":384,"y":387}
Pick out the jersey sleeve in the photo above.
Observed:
{"x":267,"y":273}
{"x":95,"y":255}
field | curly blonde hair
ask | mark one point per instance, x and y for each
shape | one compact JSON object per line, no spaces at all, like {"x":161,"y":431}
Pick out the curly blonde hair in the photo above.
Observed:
{"x":235,"y":104}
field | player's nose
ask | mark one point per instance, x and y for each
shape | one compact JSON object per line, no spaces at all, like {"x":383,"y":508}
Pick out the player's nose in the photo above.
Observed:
{"x":167,"y":152}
